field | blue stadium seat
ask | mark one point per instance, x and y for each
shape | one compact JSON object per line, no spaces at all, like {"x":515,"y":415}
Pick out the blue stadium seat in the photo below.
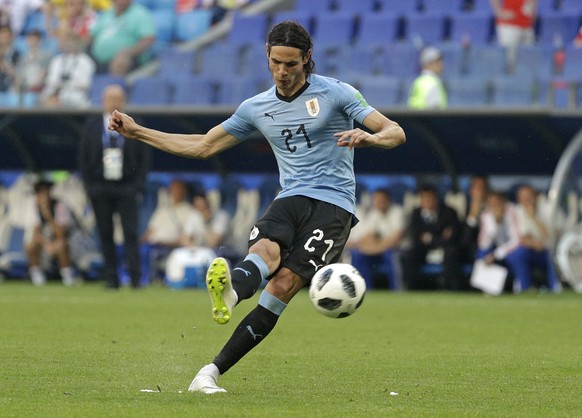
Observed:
{"x":233,"y":92}
{"x":534,"y":59}
{"x":487,"y":61}
{"x":332,"y":61}
{"x":573,"y":65}
{"x":440,"y":6}
{"x":192,"y":25}
{"x":335,"y":29}
{"x":401,"y":60}
{"x":456,"y":59}
{"x":175,"y":62}
{"x":188,"y":91}
{"x":475,"y":28}
{"x":165,"y":21}
{"x":558,"y":27}
{"x":513,"y":91}
{"x":547,"y":6}
{"x":316,"y":6}
{"x":219,"y":60}
{"x":356,"y":7}
{"x":248,"y":29}
{"x":479,"y":6}
{"x":381,"y":91}
{"x":377,"y":28}
{"x":366,"y":60}
{"x":399,"y":8}
{"x":100,"y":81}
{"x":571,"y":7}
{"x":467,"y":92}
{"x":303,"y":17}
{"x":425,"y":28}
{"x":150,"y":91}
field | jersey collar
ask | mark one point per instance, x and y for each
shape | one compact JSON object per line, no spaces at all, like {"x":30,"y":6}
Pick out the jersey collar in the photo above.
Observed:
{"x":296,"y":95}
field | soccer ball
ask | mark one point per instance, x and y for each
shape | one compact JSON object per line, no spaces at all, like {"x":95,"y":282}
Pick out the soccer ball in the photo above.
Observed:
{"x":337,"y":290}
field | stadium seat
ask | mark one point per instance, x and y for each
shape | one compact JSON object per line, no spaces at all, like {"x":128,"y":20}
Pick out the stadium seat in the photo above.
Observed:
{"x":365,"y":60}
{"x":425,"y":28}
{"x":355,"y":7}
{"x":315,"y":6}
{"x":536,"y":60}
{"x":467,"y":92}
{"x":440,"y":7}
{"x":165,"y":21}
{"x":335,"y":29}
{"x":513,"y":91}
{"x":248,"y":29}
{"x":554,"y":28}
{"x":573,"y":65}
{"x":303,"y":17}
{"x":381,"y":91}
{"x":547,"y":6}
{"x":175,"y":62}
{"x":233,"y":91}
{"x":219,"y":60}
{"x":473,"y":28}
{"x":332,"y":61}
{"x":399,"y":8}
{"x":401,"y":60}
{"x":456,"y":59}
{"x":487,"y":61}
{"x":478,"y":6}
{"x":189,"y":90}
{"x":192,"y":25}
{"x":571,"y":7}
{"x":150,"y":91}
{"x":377,"y":28}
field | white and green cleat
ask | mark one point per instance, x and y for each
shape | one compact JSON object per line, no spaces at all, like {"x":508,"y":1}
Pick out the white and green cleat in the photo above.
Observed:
{"x":222,"y":294}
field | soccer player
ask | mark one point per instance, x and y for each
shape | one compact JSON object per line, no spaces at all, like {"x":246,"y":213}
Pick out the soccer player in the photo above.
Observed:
{"x":308,"y":121}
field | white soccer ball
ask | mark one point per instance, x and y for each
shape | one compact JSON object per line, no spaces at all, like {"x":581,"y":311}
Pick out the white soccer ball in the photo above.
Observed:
{"x":337,"y":290}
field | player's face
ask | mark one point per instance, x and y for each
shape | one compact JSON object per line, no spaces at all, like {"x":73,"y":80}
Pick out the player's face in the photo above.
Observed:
{"x":286,"y":66}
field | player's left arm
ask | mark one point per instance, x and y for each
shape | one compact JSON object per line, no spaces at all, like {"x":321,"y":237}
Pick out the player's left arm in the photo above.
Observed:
{"x":385,"y":133}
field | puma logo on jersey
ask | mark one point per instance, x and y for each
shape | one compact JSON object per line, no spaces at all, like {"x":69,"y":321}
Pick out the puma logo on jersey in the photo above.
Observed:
{"x":315,"y":265}
{"x":270,"y":115}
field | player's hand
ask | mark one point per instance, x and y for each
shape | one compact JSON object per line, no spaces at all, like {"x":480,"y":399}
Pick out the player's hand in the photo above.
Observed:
{"x":354,"y":138}
{"x":122,"y":123}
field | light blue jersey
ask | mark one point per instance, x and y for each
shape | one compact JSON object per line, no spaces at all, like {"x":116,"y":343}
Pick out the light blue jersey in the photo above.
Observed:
{"x":301,"y":132}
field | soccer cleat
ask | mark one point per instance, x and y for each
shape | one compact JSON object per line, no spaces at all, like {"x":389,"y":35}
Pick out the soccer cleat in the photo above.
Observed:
{"x":205,"y":381}
{"x":222,"y":295}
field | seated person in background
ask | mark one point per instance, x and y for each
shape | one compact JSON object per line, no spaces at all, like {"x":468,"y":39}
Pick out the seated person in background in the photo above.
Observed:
{"x":15,"y":12}
{"x":77,"y":15}
{"x":52,"y":224}
{"x":534,"y":234}
{"x":374,"y":242}
{"x":500,"y":242}
{"x":477,"y":202}
{"x":217,"y":226}
{"x":122,"y":37}
{"x":578,"y":39}
{"x":70,"y":75}
{"x":167,"y":226}
{"x":433,"y":226}
{"x":32,"y":64}
{"x":9,"y":59}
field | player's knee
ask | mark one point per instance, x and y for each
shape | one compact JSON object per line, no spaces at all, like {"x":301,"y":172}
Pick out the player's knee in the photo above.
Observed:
{"x":269,"y":251}
{"x":284,"y":285}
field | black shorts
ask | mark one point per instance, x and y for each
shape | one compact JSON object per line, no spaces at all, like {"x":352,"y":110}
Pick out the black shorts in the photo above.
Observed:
{"x":311,"y":233}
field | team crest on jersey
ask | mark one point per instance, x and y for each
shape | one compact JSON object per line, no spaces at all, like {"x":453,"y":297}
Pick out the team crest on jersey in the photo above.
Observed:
{"x":312,"y":107}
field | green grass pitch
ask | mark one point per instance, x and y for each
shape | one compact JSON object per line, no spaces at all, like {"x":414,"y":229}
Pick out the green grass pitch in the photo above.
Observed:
{"x":87,"y":352}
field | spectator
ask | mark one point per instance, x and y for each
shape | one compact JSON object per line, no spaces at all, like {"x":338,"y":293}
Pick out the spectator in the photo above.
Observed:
{"x":78,"y":15}
{"x":500,"y":243}
{"x":32,"y":65}
{"x":427,"y":90}
{"x":166,"y":227}
{"x":514,"y":25}
{"x":122,"y":37}
{"x":114,"y":172}
{"x":15,"y":12}
{"x":50,"y":234}
{"x":375,"y":241}
{"x":217,"y":228}
{"x":534,"y":233}
{"x":70,"y":74}
{"x":434,"y":229}
{"x":9,"y":57}
{"x":477,"y":202}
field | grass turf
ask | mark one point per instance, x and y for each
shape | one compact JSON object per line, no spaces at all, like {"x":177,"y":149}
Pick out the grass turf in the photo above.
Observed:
{"x":87,"y":352}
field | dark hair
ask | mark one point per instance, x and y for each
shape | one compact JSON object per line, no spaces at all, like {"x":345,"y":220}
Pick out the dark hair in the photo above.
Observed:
{"x":291,"y":33}
{"x":42,"y":185}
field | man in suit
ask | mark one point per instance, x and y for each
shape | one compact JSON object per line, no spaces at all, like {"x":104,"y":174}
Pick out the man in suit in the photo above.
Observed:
{"x":433,"y":226}
{"x":114,"y":172}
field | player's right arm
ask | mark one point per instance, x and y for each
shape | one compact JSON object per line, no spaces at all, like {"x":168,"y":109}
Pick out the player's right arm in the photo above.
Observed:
{"x":199,"y":146}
